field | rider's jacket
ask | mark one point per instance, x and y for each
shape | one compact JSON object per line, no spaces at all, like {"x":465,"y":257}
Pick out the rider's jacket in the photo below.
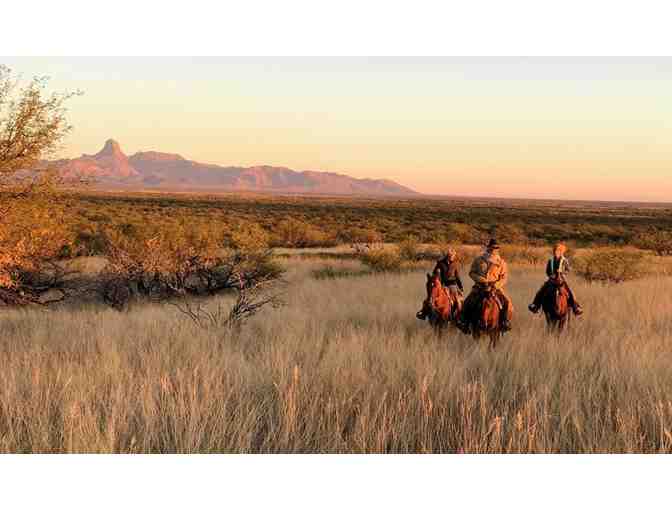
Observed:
{"x":489,"y":269}
{"x":449,"y":272}
{"x":557,"y":268}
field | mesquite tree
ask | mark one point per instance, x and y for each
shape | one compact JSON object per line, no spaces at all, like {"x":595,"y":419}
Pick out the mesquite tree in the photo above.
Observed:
{"x":32,"y":126}
{"x":187,"y":263}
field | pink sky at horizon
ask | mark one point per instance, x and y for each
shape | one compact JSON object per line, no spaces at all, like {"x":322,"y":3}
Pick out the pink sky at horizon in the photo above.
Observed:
{"x":565,"y":128}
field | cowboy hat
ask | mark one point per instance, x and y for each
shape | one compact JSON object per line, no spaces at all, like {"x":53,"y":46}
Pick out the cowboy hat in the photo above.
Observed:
{"x":492,"y":245}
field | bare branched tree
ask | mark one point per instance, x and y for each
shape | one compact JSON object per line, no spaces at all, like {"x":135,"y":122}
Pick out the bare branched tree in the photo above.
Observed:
{"x":187,"y":264}
{"x":250,"y":299}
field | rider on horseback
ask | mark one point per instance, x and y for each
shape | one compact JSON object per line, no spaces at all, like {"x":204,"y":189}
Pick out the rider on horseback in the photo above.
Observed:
{"x":556,"y":269}
{"x":448,"y":268}
{"x":488,"y":271}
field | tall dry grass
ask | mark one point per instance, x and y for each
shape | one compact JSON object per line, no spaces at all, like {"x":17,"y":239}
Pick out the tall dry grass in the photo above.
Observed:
{"x":344,"y":367}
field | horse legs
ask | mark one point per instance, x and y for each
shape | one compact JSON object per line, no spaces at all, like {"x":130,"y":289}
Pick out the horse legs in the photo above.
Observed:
{"x":494,"y":338}
{"x":439,"y":325}
{"x":556,"y":326}
{"x":551,"y":324}
{"x":562,"y":323}
{"x":435,"y":322}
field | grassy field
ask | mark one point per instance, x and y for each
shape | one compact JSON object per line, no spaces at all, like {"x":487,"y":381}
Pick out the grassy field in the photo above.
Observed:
{"x":343,"y":367}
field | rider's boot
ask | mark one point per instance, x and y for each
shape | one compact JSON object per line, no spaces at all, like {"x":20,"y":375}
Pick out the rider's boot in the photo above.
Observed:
{"x":506,"y":325}
{"x":422,"y":315}
{"x":577,"y":309}
{"x":463,"y":326}
{"x":534,"y":308}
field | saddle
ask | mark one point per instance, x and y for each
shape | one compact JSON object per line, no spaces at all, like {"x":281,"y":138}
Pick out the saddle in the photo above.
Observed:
{"x":486,"y":292}
{"x":559,"y":286}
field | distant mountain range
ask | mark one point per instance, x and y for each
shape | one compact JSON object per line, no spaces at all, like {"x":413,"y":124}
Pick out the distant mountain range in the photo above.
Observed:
{"x":111,"y":168}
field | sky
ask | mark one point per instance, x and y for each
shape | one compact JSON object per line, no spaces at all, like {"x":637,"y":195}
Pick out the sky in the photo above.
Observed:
{"x":567,"y":128}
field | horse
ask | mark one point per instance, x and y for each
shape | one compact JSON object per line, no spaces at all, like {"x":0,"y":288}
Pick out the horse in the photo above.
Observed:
{"x":555,"y":305}
{"x":485,"y":316}
{"x":439,"y":303}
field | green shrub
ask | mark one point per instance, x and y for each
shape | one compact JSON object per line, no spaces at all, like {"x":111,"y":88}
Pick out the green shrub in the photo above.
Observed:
{"x":460,"y":233}
{"x":509,"y":234}
{"x":248,"y":237}
{"x":293,"y":233}
{"x":359,"y":235}
{"x":408,"y":248}
{"x":87,"y":242}
{"x":524,"y":255}
{"x":610,"y":265}
{"x":382,"y":260}
{"x":658,"y":241}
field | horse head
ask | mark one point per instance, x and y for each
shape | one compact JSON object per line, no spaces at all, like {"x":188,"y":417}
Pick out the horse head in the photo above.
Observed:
{"x":490,"y":309}
{"x":434,"y":287}
{"x":437,"y":297}
{"x":556,"y":302}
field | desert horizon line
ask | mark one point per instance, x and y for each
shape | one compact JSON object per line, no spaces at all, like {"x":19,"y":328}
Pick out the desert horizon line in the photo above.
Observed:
{"x":420,"y":195}
{"x":113,"y":142}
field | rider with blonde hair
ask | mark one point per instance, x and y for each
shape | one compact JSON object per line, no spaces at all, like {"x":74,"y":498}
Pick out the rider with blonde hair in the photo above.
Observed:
{"x":448,"y":269}
{"x":556,"y":269}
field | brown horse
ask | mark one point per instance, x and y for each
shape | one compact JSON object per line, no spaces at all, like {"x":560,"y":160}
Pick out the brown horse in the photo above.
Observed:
{"x":556,"y":307}
{"x":439,"y":303}
{"x":484,"y":318}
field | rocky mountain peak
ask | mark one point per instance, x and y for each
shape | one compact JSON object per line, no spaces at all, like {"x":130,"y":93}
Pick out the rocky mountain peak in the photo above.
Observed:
{"x":163,"y":170}
{"x":111,"y":148}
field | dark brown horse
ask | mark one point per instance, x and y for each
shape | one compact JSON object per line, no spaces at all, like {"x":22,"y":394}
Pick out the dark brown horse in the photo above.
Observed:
{"x":485,"y":316}
{"x":556,"y":306}
{"x":439,"y":304}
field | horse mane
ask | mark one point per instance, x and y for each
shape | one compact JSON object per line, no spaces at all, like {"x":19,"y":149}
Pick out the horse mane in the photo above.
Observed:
{"x":491,"y":309}
{"x":555,"y":303}
{"x":440,"y":305}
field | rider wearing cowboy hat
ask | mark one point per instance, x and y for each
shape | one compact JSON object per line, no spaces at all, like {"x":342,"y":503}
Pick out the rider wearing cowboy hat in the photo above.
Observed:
{"x":556,"y":269}
{"x":488,"y":270}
